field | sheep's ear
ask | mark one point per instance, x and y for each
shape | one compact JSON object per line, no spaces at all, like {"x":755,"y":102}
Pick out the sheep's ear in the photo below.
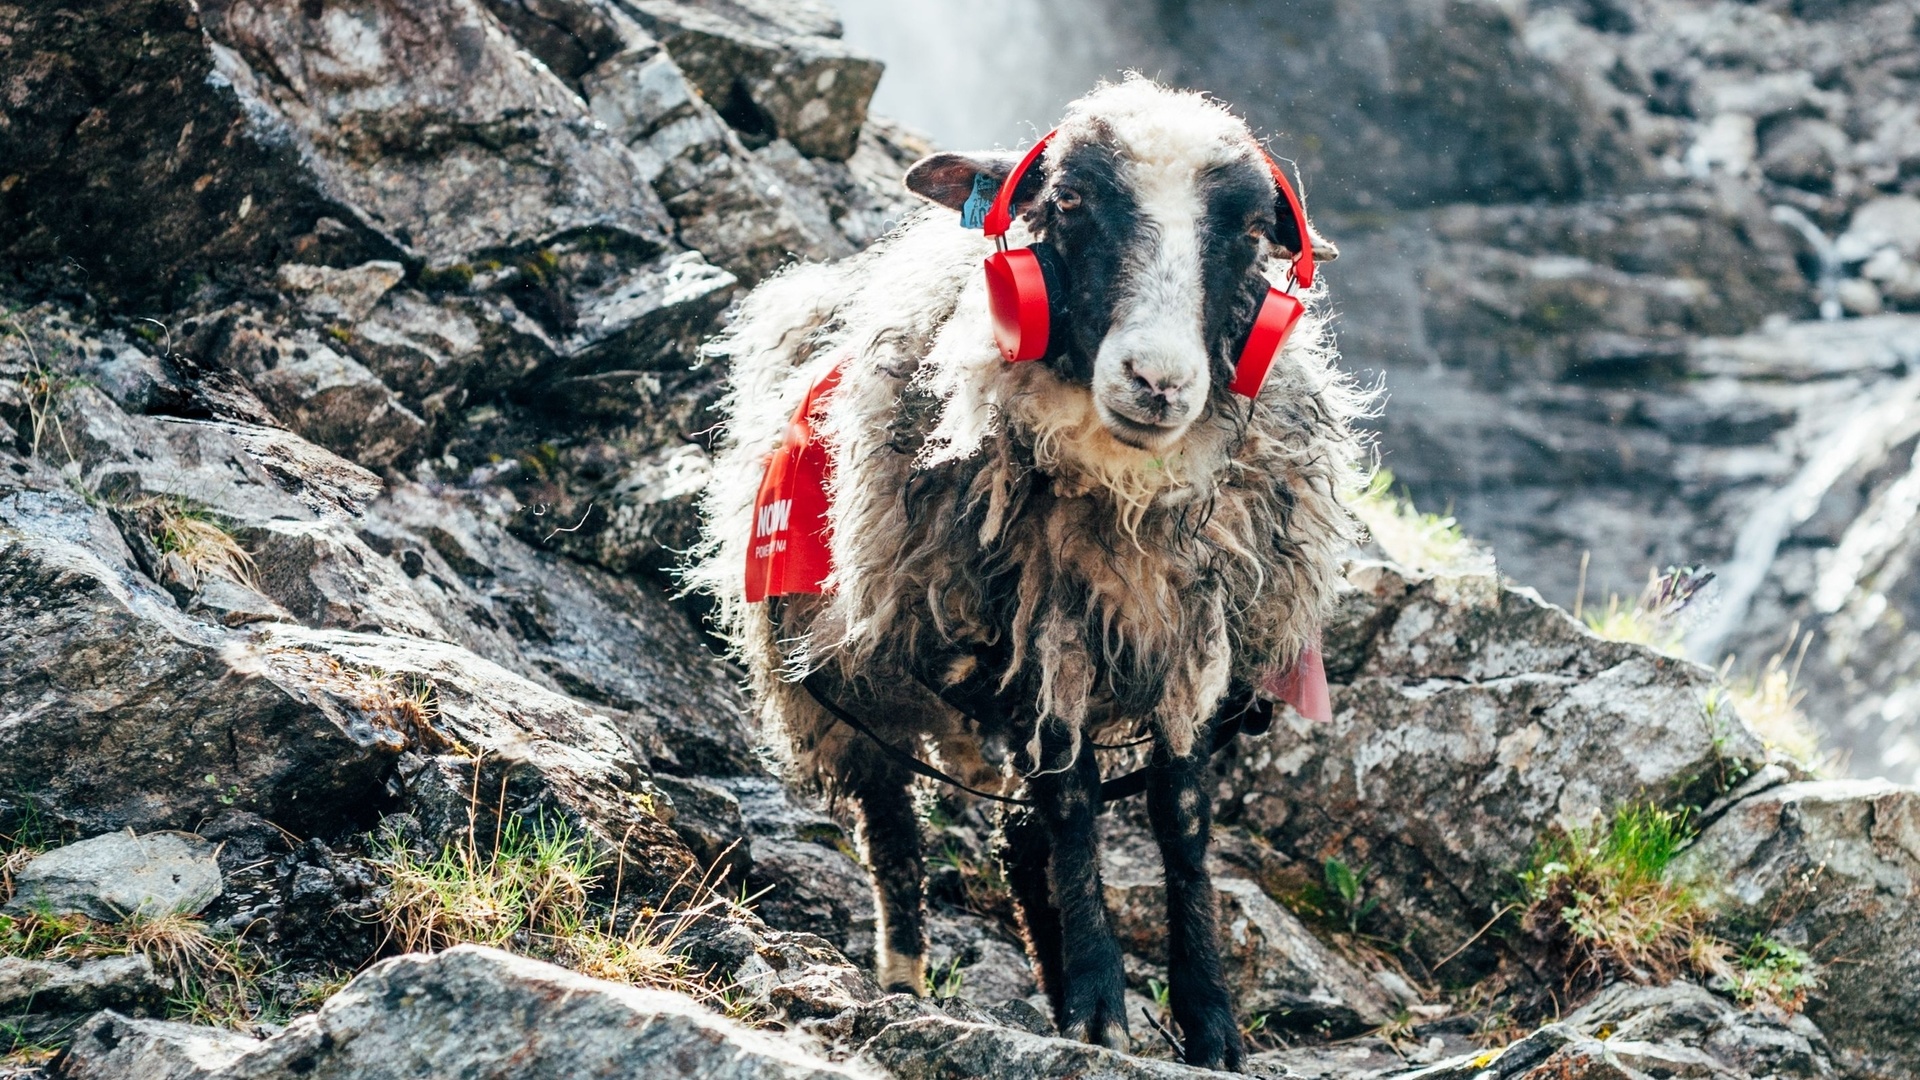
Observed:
{"x":949,"y":179}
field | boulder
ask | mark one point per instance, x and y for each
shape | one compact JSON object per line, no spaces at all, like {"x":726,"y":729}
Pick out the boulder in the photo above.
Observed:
{"x":119,"y":875}
{"x":1891,"y":221}
{"x":1469,"y":717}
{"x":43,"y":1000}
{"x":119,"y":1046}
{"x":339,"y":295}
{"x":470,"y":1012}
{"x":1831,"y":866}
{"x":772,"y":69}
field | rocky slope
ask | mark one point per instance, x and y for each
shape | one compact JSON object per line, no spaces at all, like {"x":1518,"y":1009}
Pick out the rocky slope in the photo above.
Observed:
{"x":350,"y":413}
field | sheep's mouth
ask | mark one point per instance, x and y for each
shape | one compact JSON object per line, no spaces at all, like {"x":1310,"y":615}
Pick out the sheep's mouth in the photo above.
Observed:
{"x":1140,"y":435}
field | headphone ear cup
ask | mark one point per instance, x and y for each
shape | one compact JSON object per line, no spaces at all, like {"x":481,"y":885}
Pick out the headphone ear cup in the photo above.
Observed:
{"x":1278,"y":315}
{"x":1017,"y":299}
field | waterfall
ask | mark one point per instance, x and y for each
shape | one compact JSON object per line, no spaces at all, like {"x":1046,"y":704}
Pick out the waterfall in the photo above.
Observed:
{"x":975,"y":74}
{"x":1867,"y":426}
{"x":1827,"y":281}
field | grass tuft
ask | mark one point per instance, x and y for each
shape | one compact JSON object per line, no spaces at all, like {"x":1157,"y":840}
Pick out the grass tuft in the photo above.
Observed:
{"x":197,"y":537}
{"x":1603,"y":893}
{"x":1605,"y":890}
{"x":533,"y":894}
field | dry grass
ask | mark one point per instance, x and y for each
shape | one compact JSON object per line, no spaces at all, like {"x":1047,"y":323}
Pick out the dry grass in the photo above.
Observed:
{"x":1425,"y":543}
{"x":533,"y":894}
{"x":42,"y":386}
{"x":1656,"y":618}
{"x":1769,"y":702}
{"x":215,"y":978}
{"x":199,"y":538}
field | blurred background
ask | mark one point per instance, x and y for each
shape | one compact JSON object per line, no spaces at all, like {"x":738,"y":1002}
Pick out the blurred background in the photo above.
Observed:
{"x":1633,"y":273}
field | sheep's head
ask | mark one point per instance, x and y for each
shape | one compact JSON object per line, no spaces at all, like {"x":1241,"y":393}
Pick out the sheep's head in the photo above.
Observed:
{"x":1163,"y":213}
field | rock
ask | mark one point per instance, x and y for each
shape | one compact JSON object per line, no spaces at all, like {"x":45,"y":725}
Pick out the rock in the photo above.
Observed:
{"x":1469,"y":717}
{"x":479,"y":1013}
{"x":772,"y":70}
{"x":118,"y":875}
{"x":648,"y":513}
{"x":1805,"y":154}
{"x":721,"y":200}
{"x":707,"y":817}
{"x":1833,"y":867}
{"x":340,"y":295}
{"x":332,"y":399}
{"x":122,"y":711}
{"x":414,"y":132}
{"x":114,"y":1047}
{"x":571,"y":37}
{"x":1859,"y":296}
{"x":1891,"y":221}
{"x":939,"y":1048}
{"x":1683,"y":1017}
{"x":43,"y":1000}
{"x":422,"y":347}
{"x":992,"y":970}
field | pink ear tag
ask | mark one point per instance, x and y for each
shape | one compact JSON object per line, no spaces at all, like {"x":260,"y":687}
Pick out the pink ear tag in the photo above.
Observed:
{"x":789,"y":551}
{"x":1304,"y":686}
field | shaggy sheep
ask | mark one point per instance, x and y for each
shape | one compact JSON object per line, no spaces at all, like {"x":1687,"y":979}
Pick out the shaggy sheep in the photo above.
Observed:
{"x":1029,"y":558}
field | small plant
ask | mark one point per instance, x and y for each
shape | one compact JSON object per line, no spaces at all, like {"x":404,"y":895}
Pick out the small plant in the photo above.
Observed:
{"x":531,"y":894}
{"x":196,"y":535}
{"x":215,"y":977}
{"x":1769,"y":702}
{"x":1427,"y":543}
{"x":982,"y":885}
{"x":1346,"y":888}
{"x":945,"y":980}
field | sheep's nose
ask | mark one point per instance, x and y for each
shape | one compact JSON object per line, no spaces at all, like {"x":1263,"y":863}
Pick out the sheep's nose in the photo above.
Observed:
{"x":1155,"y":385}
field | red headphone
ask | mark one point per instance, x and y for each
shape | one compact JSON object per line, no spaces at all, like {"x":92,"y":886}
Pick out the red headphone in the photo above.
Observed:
{"x":1026,"y":287}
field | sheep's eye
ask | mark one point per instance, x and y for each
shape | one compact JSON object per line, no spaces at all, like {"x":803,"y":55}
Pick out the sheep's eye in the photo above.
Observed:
{"x":1257,"y":229}
{"x":1067,"y":199}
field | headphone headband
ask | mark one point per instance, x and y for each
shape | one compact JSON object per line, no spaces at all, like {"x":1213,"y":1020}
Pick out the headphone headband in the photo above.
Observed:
{"x":1303,"y":260}
{"x":1000,"y":215}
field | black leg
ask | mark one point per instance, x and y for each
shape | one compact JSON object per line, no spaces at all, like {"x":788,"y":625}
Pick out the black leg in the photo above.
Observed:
{"x":1091,"y":1008}
{"x":1024,"y":855}
{"x":889,"y":836}
{"x":1182,"y":815}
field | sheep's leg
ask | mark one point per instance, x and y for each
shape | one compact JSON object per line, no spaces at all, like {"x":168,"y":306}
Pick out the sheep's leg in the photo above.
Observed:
{"x":889,"y":837}
{"x":1092,"y":980}
{"x":1181,"y":811}
{"x":1025,"y":854}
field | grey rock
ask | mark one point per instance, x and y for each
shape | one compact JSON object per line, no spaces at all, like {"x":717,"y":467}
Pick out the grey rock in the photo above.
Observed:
{"x":1692,"y":1022}
{"x":112,"y":1046}
{"x":336,"y":402}
{"x":480,"y":1013}
{"x":1805,"y":153}
{"x":1891,"y":221}
{"x":416,"y":138}
{"x":1835,"y":865}
{"x":571,"y":37}
{"x":117,"y":709}
{"x":1469,"y":717}
{"x":939,"y":1048}
{"x":422,"y":347}
{"x":119,"y":875}
{"x":707,"y":817}
{"x":340,"y":295}
{"x":769,"y":73}
{"x":992,"y":970}
{"x":44,"y":1000}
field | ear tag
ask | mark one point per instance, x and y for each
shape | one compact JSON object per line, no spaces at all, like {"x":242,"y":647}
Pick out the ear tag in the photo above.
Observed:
{"x":973,"y":212}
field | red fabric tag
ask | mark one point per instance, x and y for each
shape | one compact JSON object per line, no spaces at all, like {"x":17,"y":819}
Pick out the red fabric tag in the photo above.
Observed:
{"x":1304,"y":686}
{"x":788,"y":552}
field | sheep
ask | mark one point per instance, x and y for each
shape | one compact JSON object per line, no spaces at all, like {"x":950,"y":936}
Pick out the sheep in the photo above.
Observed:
{"x":1032,"y":558}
